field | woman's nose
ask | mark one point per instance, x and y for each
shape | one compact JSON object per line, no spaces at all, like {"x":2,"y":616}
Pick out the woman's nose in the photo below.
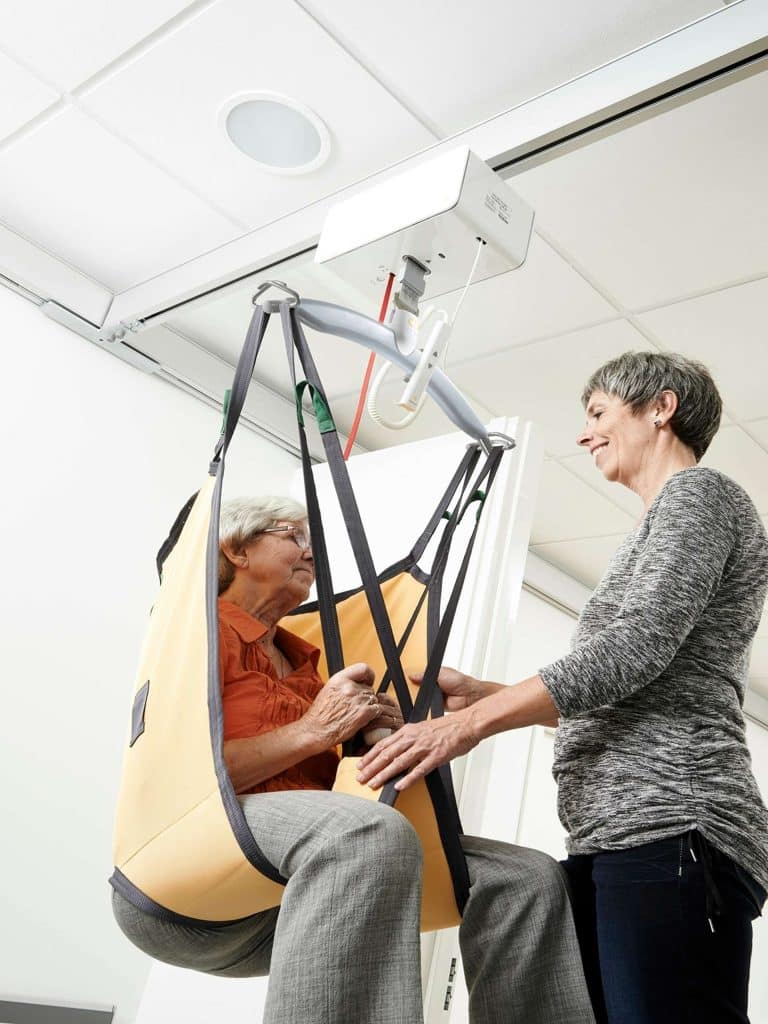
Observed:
{"x":583,"y":438}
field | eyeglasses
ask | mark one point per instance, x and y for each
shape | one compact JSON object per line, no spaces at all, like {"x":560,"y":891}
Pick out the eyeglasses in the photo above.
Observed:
{"x":298,"y":534}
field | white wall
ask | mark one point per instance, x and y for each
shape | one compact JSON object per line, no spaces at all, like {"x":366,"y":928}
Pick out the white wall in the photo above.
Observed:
{"x":98,"y":459}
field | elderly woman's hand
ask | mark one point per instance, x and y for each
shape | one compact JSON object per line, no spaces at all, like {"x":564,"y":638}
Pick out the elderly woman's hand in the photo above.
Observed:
{"x":388,"y":720}
{"x":345,"y":705}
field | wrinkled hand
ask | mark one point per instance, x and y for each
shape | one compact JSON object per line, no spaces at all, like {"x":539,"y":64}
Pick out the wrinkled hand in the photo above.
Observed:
{"x":459,"y":690}
{"x":416,"y":749}
{"x":388,"y":720}
{"x":345,"y":705}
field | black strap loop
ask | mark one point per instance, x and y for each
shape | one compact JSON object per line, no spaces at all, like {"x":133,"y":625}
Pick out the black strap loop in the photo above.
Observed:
{"x":241,"y":382}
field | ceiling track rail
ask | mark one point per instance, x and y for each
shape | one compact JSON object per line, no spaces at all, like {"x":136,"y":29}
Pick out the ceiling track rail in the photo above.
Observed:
{"x":163,"y":313}
{"x":654,"y":105}
{"x":19,"y":289}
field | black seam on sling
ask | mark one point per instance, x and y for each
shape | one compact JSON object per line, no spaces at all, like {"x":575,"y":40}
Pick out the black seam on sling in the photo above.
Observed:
{"x":124,"y":887}
{"x":137,"y":713}
{"x":174,"y":533}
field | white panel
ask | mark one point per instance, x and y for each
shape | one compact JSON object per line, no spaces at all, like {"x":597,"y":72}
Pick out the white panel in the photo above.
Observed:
{"x":726,"y":331}
{"x":50,"y":278}
{"x":543,"y":381}
{"x":168,"y":102}
{"x":543,"y":297}
{"x":585,"y":560}
{"x":24,"y":96}
{"x":173,"y":993}
{"x":736,"y":454}
{"x":70,"y":41}
{"x":458,"y":65}
{"x":568,"y":509}
{"x":583,"y":466}
{"x":74,"y":189}
{"x":669,"y":206}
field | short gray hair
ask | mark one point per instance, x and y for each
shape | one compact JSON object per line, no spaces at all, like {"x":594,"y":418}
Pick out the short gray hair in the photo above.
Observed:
{"x":242,"y":519}
{"x":639,"y":379}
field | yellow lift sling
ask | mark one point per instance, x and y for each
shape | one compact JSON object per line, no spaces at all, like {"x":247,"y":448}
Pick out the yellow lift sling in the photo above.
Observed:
{"x":182,"y":848}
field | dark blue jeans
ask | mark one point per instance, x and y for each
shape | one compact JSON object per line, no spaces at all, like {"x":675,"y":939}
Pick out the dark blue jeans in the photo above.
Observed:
{"x":643,"y":922}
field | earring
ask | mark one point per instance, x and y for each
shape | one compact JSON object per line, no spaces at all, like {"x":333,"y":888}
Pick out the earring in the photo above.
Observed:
{"x":657,"y":423}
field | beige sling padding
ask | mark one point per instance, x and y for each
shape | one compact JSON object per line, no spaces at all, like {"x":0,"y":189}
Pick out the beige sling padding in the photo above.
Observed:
{"x":360,"y":642}
{"x":173,"y":839}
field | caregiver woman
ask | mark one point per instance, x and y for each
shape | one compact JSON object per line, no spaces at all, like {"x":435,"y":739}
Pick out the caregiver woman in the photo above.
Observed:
{"x":667,"y":833}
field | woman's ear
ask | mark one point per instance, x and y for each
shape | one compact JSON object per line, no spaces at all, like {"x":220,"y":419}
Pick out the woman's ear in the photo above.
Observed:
{"x":239,"y":559}
{"x":665,"y":407}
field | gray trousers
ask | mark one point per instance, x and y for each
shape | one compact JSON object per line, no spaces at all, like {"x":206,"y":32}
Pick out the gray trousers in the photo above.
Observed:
{"x":343,"y":947}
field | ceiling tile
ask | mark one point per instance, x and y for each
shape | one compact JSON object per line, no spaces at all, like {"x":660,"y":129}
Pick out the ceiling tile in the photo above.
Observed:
{"x":568,"y":509}
{"x":735,"y":453}
{"x":584,"y":560}
{"x":543,"y":297}
{"x":74,"y":189}
{"x":759,"y":430}
{"x":71,"y":41}
{"x":644,"y":209}
{"x":24,"y":96}
{"x":726,"y":331}
{"x":542,"y":382}
{"x":459,"y":64}
{"x":583,"y":466}
{"x":168,"y":102}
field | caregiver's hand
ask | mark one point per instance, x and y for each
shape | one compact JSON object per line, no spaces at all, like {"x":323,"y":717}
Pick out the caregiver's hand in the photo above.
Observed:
{"x":459,"y":690}
{"x":417,"y":749}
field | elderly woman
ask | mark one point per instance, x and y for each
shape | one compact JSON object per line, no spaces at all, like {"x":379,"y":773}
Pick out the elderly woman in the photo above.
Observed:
{"x":668,"y":835}
{"x":343,"y":947}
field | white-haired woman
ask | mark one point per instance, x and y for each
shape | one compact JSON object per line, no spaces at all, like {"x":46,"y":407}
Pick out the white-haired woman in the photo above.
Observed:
{"x":668,"y":834}
{"x":343,"y":947}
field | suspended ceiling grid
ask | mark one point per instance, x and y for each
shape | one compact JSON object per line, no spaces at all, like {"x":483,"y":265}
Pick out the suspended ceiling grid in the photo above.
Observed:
{"x":113,"y":160}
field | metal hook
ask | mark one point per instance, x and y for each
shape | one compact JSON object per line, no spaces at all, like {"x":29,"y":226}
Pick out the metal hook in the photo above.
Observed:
{"x":504,"y":440}
{"x":276,"y":284}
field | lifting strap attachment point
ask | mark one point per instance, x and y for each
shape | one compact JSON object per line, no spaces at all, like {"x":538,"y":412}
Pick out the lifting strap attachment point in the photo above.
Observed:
{"x":322,"y":412}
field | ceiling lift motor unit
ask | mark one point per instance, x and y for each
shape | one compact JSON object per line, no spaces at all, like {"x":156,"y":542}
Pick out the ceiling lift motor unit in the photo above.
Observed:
{"x":424,"y":225}
{"x":437,"y":227}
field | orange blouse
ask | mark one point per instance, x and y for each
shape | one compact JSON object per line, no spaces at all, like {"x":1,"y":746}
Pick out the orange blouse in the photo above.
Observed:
{"x":255,"y":699}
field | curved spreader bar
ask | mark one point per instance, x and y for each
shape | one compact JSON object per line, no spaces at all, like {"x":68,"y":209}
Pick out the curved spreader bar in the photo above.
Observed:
{"x":346,"y":323}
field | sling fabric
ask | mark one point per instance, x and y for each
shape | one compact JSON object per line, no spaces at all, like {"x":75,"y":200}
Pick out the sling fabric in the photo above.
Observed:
{"x":183,"y":849}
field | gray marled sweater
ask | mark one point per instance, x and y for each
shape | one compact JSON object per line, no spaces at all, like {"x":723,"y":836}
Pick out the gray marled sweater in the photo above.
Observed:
{"x":651,"y":735}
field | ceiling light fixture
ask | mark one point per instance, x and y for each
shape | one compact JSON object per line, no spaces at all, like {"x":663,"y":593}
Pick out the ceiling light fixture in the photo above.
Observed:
{"x":281,"y":135}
